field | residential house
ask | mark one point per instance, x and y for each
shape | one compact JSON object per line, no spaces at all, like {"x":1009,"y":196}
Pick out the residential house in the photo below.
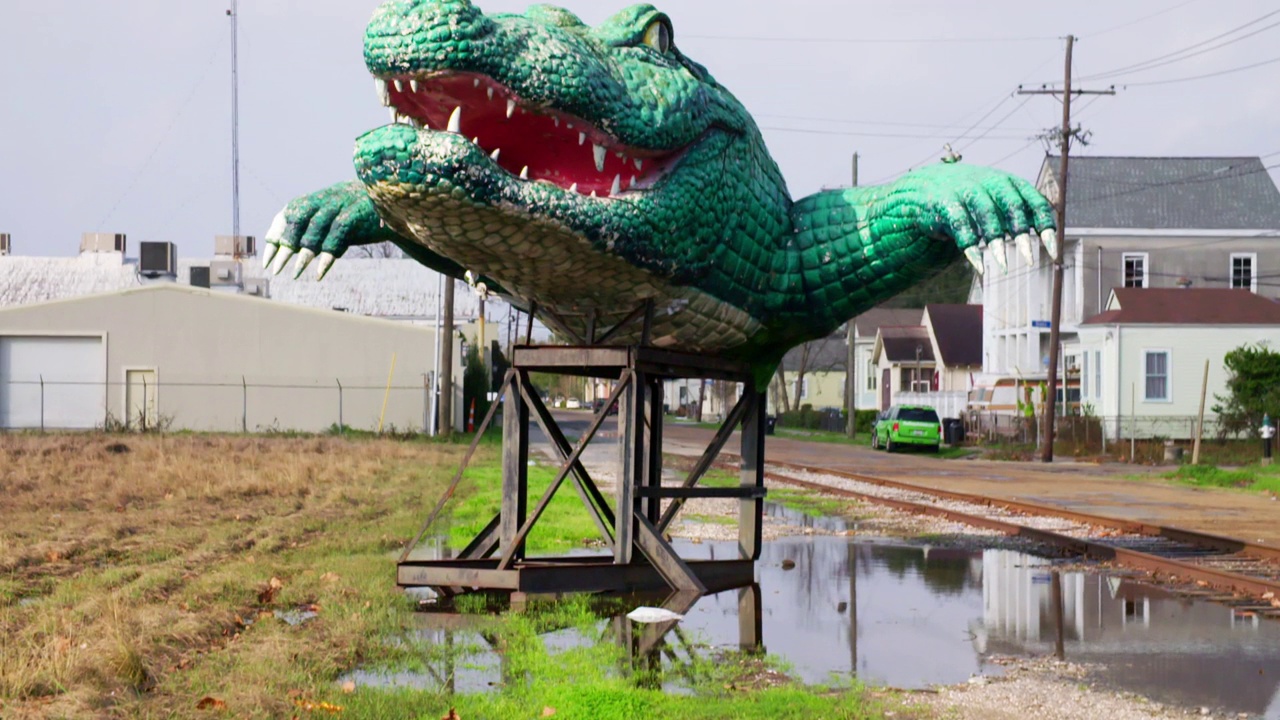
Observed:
{"x":1132,"y":222}
{"x":814,"y":374}
{"x":865,"y":327}
{"x":933,"y":363}
{"x":1143,"y":359}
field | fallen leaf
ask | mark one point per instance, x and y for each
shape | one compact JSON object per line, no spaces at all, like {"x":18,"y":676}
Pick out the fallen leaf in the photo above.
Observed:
{"x":210,"y":703}
{"x":548,"y":711}
{"x":349,"y":686}
{"x":53,"y":556}
{"x":1268,"y":595}
{"x":452,"y":715}
{"x":268,"y":593}
{"x":326,"y":707}
{"x":330,"y":577}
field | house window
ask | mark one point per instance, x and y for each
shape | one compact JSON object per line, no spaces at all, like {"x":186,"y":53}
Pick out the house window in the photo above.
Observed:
{"x":1156,"y":375}
{"x":803,"y":384}
{"x":1135,"y":270}
{"x":1097,"y":374}
{"x":871,"y":375}
{"x":916,"y":379}
{"x":1242,"y":271}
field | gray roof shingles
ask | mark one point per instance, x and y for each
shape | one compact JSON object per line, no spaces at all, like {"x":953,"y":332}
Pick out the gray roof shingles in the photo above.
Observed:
{"x":1171,"y":193}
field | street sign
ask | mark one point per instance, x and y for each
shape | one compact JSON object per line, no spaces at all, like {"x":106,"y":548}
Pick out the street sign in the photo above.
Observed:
{"x":1040,"y":324}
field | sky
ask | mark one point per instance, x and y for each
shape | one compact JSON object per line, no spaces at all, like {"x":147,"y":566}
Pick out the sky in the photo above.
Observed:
{"x":116,"y":117}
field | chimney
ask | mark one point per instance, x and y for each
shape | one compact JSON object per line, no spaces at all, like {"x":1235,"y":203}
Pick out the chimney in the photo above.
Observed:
{"x":234,"y":246}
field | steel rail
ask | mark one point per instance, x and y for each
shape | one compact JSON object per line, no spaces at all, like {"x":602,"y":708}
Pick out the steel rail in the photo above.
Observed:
{"x":1222,"y":580}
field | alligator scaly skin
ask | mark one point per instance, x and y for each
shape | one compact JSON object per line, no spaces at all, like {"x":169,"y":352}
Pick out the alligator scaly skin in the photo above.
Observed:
{"x":703,"y":227}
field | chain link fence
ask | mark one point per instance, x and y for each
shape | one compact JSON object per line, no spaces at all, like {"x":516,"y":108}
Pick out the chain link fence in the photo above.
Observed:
{"x":144,"y":403}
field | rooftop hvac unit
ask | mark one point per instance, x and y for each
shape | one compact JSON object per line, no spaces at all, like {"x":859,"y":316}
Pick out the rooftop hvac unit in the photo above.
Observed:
{"x":260,"y":287}
{"x":200,"y":276}
{"x":5,"y":244}
{"x":224,"y":272}
{"x":102,"y":243}
{"x":236,"y":246}
{"x":158,"y":258}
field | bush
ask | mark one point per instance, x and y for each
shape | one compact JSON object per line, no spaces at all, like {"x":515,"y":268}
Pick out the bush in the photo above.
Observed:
{"x":830,"y":419}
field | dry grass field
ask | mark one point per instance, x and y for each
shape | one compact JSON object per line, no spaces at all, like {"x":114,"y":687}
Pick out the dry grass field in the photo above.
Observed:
{"x":140,"y":575}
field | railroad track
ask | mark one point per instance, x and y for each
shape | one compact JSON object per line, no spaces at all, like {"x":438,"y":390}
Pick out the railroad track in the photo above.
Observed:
{"x":1241,"y":574}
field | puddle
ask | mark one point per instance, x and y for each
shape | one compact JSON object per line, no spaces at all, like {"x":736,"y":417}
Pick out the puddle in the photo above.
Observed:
{"x":797,"y":518}
{"x":296,"y":617}
{"x":912,"y":617}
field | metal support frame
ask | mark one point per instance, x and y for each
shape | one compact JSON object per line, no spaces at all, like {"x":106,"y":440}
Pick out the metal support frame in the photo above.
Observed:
{"x":634,"y":525}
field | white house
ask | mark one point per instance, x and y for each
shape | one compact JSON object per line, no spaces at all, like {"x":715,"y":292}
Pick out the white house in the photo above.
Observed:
{"x":933,"y":363}
{"x":1142,"y":222}
{"x":1142,"y":360}
{"x":865,"y":328}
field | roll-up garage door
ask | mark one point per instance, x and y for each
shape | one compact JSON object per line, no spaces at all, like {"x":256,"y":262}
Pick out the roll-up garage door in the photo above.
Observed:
{"x":73,"y":371}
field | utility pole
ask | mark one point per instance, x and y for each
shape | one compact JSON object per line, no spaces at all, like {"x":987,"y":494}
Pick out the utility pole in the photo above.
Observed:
{"x":850,"y":375}
{"x":235,"y":126}
{"x":1055,"y":320}
{"x":446,"y":361}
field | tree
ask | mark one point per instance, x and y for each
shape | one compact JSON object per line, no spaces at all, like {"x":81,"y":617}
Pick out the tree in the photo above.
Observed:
{"x":1253,"y":388}
{"x":475,"y":383}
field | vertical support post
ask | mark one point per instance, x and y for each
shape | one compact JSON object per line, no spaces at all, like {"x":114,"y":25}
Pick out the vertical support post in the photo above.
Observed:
{"x":751,"y":511}
{"x":653,"y":466}
{"x":42,"y":402}
{"x":244,"y":405}
{"x":630,"y":425}
{"x":342,"y":427}
{"x":515,"y":467}
{"x":750,"y":625}
{"x":1199,"y":430}
{"x":1055,"y":587}
{"x":143,"y":414}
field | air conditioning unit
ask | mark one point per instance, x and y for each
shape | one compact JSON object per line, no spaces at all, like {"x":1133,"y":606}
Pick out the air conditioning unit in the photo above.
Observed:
{"x":200,"y":276}
{"x":260,"y":287}
{"x":102,"y":243}
{"x":6,"y":244}
{"x":234,"y":246}
{"x":225,"y":272}
{"x":158,"y":258}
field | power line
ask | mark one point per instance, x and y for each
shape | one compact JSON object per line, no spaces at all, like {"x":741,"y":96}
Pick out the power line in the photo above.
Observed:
{"x":1150,"y":65}
{"x":1144,"y":18}
{"x":873,"y":41}
{"x":1228,"y":71}
{"x":1001,"y":120}
{"x":887,"y":123}
{"x":852,"y":133}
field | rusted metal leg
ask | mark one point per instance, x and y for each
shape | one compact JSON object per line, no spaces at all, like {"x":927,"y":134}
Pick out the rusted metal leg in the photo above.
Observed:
{"x":515,"y":470}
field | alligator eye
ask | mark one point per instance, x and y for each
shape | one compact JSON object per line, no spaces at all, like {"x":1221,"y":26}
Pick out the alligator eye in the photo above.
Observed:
{"x":658,"y":36}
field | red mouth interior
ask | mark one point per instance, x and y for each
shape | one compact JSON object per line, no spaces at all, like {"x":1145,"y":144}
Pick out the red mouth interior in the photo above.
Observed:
{"x":554,"y":146}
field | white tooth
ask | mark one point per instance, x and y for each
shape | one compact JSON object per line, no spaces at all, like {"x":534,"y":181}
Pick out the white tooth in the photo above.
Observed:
{"x":268,"y":252}
{"x":282,"y":258}
{"x":617,"y":185}
{"x":1023,"y":242}
{"x":394,"y":114}
{"x":600,"y":154}
{"x":383,"y":94}
{"x":511,"y":108}
{"x":555,"y":120}
{"x":997,"y":248}
{"x":276,"y":231}
{"x":323,"y":263}
{"x":399,"y":86}
{"x":475,"y":140}
{"x":569,"y":125}
{"x":413,"y":85}
{"x":524,"y":173}
{"x":573,"y":188}
{"x":382,"y":223}
{"x":489,"y":92}
{"x":475,"y":82}
{"x":494,"y":155}
{"x":974,"y":255}
{"x":633,"y":181}
{"x":622,"y":157}
{"x":455,"y":120}
{"x":593,"y":193}
{"x":639,"y":164}
{"x":305,"y":255}
{"x":1050,"y":240}
{"x":582,"y":138}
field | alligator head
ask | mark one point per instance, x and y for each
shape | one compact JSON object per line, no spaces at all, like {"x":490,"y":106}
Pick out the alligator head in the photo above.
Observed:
{"x":587,"y":168}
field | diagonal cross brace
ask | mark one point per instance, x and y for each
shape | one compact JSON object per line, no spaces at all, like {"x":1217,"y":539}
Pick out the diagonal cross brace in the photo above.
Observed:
{"x":709,"y":455}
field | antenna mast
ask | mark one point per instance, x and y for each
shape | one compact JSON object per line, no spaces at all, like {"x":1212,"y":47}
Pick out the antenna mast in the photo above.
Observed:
{"x":235,"y":126}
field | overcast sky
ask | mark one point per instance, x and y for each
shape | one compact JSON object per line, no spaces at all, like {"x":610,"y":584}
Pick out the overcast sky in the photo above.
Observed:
{"x":115,"y":116}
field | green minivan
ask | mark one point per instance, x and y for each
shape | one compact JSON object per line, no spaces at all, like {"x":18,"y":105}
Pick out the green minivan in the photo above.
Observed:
{"x":908,"y":425}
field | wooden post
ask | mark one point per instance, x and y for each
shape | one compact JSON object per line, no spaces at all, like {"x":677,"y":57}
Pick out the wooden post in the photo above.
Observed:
{"x":630,"y":409}
{"x":653,"y":463}
{"x":515,"y":468}
{"x":1204,"y":389}
{"x":751,"y":511}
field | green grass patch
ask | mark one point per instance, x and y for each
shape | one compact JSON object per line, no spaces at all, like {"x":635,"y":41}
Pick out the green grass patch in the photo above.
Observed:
{"x":798,"y":499}
{"x":822,"y":436}
{"x":709,"y":519}
{"x":1251,"y":477}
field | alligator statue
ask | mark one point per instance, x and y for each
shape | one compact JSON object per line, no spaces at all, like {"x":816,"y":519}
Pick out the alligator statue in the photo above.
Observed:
{"x":586,"y":172}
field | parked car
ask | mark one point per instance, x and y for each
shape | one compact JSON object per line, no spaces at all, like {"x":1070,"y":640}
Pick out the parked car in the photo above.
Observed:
{"x":909,"y":425}
{"x":573,"y":404}
{"x":875,"y":423}
{"x":599,"y":403}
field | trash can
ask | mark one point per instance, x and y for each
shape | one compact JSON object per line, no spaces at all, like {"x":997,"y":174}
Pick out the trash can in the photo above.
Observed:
{"x":953,"y":431}
{"x":769,"y":422}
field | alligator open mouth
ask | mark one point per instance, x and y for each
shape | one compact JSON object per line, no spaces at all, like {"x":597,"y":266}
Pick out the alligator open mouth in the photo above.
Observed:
{"x":530,"y":141}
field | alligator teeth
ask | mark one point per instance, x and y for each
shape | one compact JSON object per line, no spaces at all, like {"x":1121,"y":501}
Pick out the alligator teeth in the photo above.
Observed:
{"x":617,"y":185}
{"x":475,"y":82}
{"x":524,"y":173}
{"x":639,"y":164}
{"x":593,"y":193}
{"x":633,"y":182}
{"x":997,"y":249}
{"x":1023,"y":242}
{"x":1050,"y":240}
{"x":399,"y":85}
{"x":569,"y":125}
{"x":282,"y":257}
{"x":413,"y":85}
{"x":600,"y":154}
{"x":494,"y":155}
{"x":384,"y":95}
{"x":393,"y":113}
{"x":323,"y":263}
{"x":475,"y":140}
{"x":489,"y":92}
{"x":305,"y":255}
{"x":455,"y":120}
{"x":573,"y":188}
{"x":271,"y":250}
{"x":582,"y":138}
{"x":511,"y":108}
{"x":974,"y":256}
{"x":555,"y":120}
{"x":622,"y":157}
